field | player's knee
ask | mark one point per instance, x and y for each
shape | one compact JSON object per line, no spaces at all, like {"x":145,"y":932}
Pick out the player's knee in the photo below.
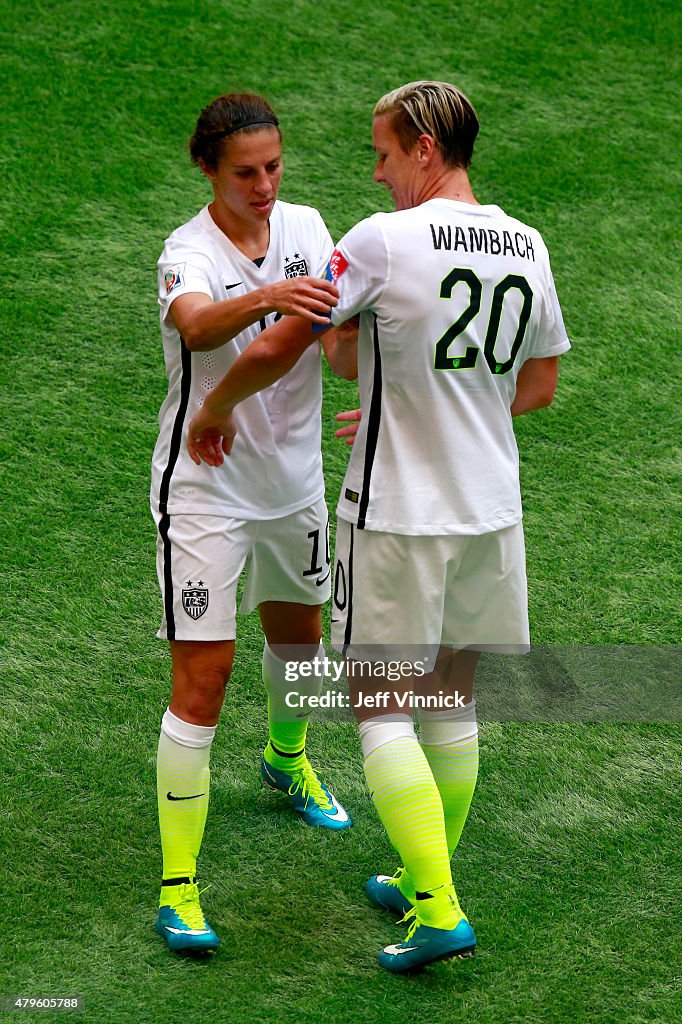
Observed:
{"x":199,"y":695}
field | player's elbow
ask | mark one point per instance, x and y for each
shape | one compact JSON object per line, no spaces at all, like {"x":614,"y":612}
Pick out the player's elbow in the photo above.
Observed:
{"x":545,"y":396}
{"x":541,"y":382}
{"x":195,"y":338}
{"x":345,"y":370}
{"x":270,"y":361}
{"x":200,"y":335}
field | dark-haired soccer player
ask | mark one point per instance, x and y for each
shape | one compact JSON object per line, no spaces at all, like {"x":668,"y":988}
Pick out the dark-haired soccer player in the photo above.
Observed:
{"x":244,"y":260}
{"x":460,"y":331}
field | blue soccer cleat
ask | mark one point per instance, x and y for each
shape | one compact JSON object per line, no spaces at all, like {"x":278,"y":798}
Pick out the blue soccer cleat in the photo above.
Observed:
{"x":425,"y":945}
{"x":307,"y":795}
{"x":385,"y":892}
{"x":183,"y":925}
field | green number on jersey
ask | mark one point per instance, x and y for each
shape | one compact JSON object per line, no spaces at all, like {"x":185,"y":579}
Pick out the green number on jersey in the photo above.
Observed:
{"x":509,"y":282}
{"x":442,"y":359}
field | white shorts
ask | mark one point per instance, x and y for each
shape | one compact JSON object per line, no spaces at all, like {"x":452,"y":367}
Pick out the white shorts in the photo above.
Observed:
{"x":395,"y":593}
{"x":200,"y":559}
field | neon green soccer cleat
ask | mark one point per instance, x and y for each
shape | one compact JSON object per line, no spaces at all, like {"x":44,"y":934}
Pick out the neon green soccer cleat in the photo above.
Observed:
{"x":425,"y":945}
{"x":183,"y":924}
{"x":307,"y":795}
{"x":385,"y":891}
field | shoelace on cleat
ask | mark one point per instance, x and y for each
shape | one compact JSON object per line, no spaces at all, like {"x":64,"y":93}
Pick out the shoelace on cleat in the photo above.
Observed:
{"x":395,"y":879}
{"x":309,"y":786}
{"x":411,"y":916}
{"x":188,"y":908}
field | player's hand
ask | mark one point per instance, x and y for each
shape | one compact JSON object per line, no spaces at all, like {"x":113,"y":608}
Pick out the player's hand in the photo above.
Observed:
{"x":352,"y":417}
{"x":210,"y":437}
{"x":309,"y":297}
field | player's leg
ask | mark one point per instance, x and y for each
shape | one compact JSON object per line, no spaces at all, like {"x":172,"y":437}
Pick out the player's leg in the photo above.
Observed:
{"x":292,"y":634}
{"x":200,"y":674}
{"x":404,"y":793}
{"x":288,"y":579}
{"x":199,"y":621}
{"x":485,"y":607}
{"x":449,"y":737}
{"x":379,"y":609}
{"x":293,"y":666}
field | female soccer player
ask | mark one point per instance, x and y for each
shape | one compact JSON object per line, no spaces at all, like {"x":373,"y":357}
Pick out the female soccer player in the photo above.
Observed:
{"x":244,"y":260}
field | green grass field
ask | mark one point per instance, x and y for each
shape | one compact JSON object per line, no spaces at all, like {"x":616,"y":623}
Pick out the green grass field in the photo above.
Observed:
{"x":567,"y":866}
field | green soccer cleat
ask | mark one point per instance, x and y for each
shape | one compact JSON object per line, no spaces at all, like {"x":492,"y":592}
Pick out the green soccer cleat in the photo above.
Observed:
{"x":183,"y":924}
{"x":307,"y":795}
{"x":425,"y":945}
{"x":384,"y":890}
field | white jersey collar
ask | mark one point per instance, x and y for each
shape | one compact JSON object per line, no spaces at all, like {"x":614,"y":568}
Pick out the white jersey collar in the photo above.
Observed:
{"x":470,"y":208}
{"x":235,"y":254}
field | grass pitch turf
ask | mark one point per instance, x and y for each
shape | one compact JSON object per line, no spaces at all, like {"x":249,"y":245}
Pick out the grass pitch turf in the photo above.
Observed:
{"x":567,"y":865}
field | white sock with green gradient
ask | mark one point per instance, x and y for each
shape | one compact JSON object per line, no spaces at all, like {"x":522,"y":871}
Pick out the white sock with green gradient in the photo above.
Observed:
{"x":182,"y":780}
{"x":449,"y":740}
{"x":288,"y":725}
{"x":407,"y":800}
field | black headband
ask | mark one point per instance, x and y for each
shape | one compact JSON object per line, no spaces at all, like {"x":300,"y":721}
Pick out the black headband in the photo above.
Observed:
{"x":246,"y":124}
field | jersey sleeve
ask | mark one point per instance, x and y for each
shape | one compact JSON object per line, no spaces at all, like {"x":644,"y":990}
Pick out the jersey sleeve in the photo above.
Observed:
{"x":359,"y":269}
{"x":181,"y":269}
{"x":550,"y":338}
{"x":324,"y":249}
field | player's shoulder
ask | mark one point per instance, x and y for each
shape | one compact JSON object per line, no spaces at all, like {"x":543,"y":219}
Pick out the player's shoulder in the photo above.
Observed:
{"x":194,"y":236}
{"x":366,"y":230}
{"x":515,"y":224}
{"x":191,"y":229}
{"x":386,"y":223}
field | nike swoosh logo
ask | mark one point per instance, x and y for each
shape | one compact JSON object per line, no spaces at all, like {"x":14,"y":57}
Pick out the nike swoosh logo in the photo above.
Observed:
{"x":340,"y":813}
{"x":397,"y":950}
{"x":194,"y":796}
{"x":269,"y":773}
{"x":303,"y":714}
{"x":235,"y":285}
{"x":186,"y":931}
{"x":318,"y":583}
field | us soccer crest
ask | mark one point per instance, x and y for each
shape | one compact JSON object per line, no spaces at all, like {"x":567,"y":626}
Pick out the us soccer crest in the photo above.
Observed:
{"x":195,"y":600}
{"x":295,"y":267}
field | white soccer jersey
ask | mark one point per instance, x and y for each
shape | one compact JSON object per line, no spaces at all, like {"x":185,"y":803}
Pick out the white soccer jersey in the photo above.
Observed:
{"x":275,"y":467}
{"x":453,"y":298}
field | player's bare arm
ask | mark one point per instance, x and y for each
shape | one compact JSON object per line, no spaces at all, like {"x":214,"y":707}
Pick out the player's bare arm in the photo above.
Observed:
{"x":340,"y":347}
{"x":212,"y":430}
{"x":205,"y":325}
{"x":535,"y":385}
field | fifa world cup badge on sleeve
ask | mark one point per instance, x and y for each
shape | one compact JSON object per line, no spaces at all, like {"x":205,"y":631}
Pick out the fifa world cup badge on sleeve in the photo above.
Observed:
{"x":174,"y":277}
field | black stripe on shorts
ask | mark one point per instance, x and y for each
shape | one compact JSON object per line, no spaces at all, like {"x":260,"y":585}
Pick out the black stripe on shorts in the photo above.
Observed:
{"x":349,"y":616}
{"x":164,"y":490}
